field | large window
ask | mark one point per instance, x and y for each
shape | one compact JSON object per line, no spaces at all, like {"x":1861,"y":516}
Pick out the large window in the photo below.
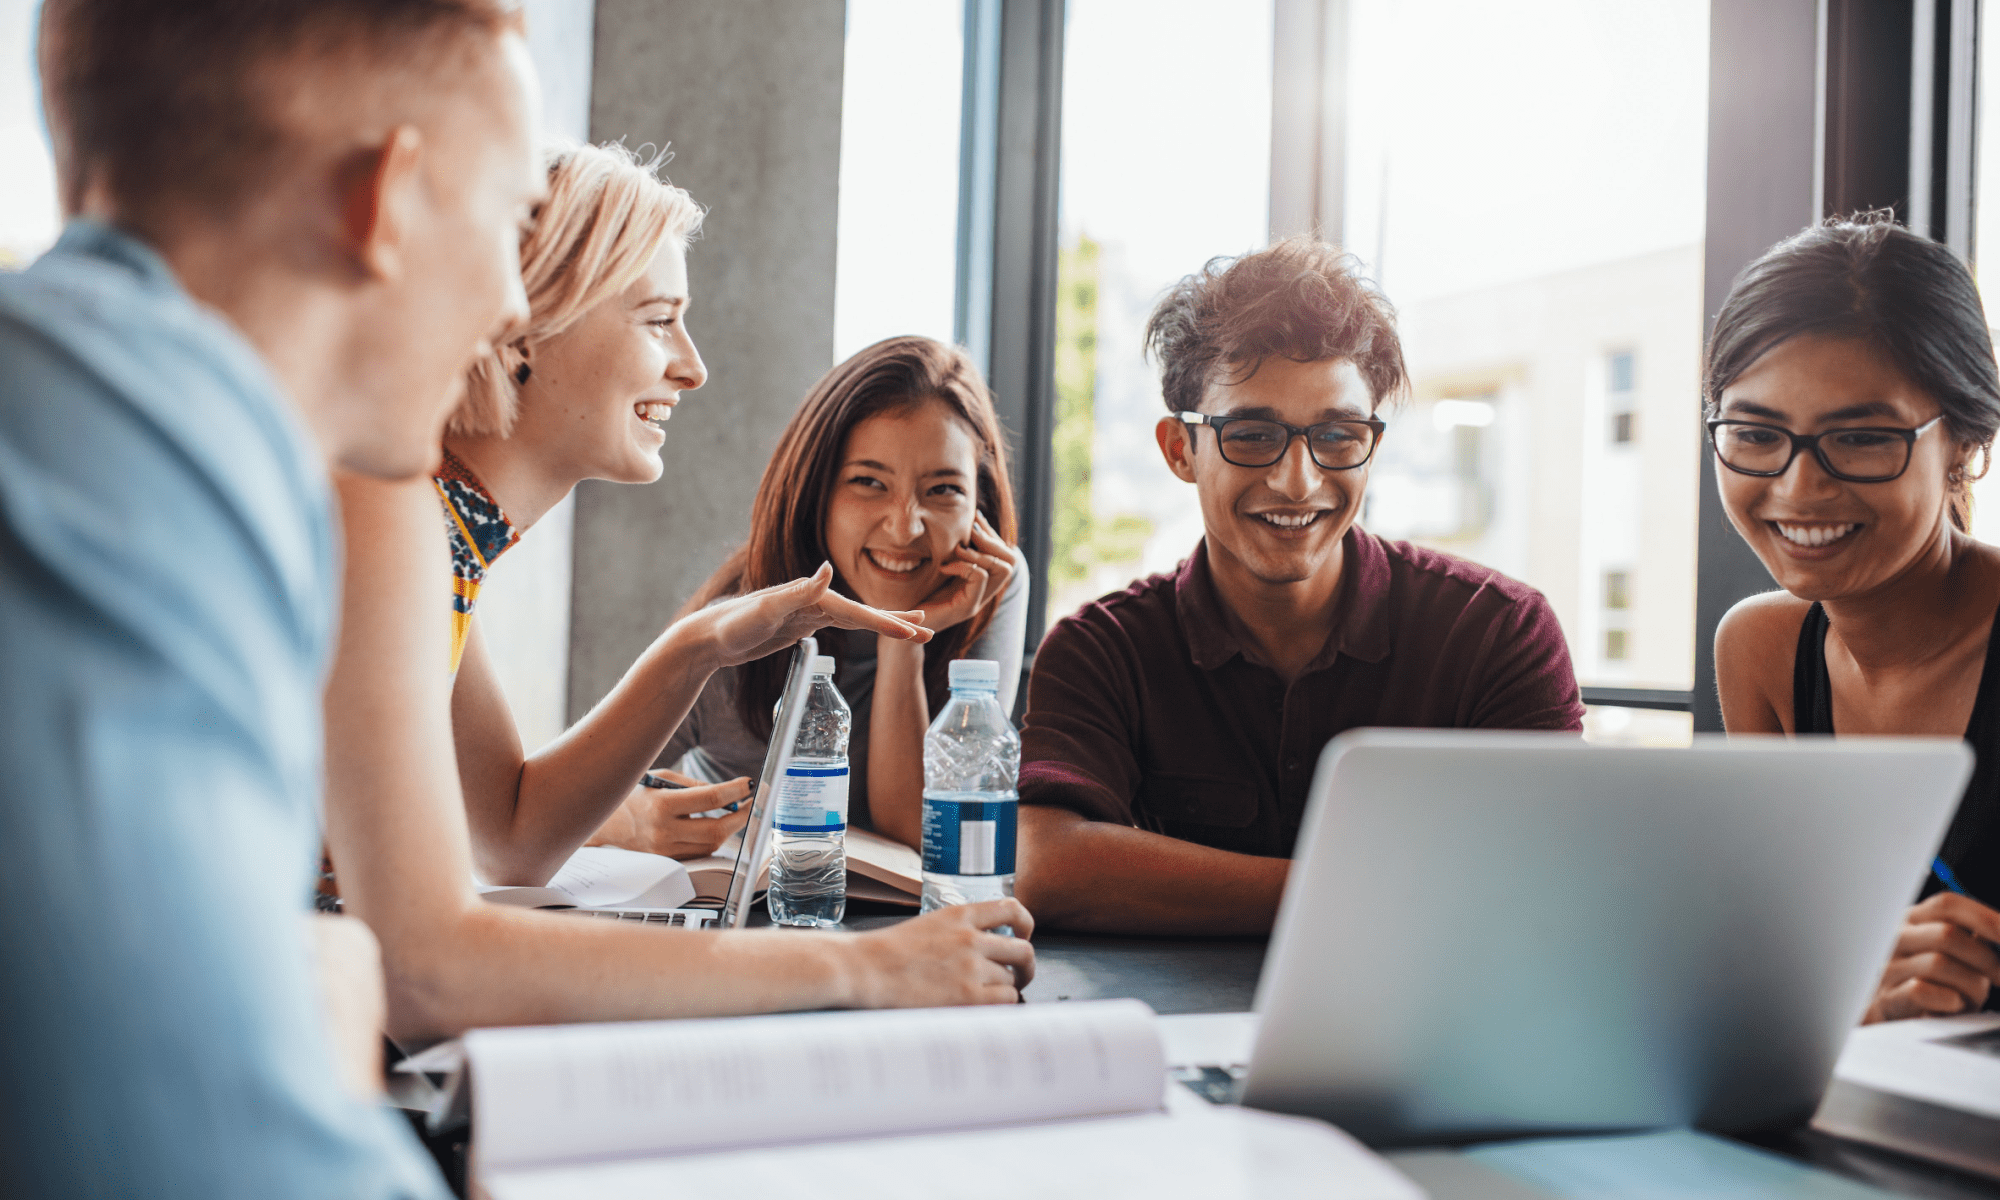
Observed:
{"x":1166,"y":162}
{"x":1526,"y":182}
{"x":1986,"y":239}
{"x":895,"y":266}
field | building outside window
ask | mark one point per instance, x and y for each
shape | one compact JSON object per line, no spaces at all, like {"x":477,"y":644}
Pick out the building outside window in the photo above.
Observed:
{"x":1558,"y":286}
{"x":1166,"y":163}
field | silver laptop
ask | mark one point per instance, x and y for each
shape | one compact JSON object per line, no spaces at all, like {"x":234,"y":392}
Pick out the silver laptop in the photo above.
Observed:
{"x":754,"y":846}
{"x":754,"y":850}
{"x":1492,"y":934}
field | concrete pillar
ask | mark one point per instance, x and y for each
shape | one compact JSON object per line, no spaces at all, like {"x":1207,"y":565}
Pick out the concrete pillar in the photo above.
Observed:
{"x":748,"y":94}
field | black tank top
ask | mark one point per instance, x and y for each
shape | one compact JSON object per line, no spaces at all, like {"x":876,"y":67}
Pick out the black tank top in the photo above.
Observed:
{"x":1972,"y":844}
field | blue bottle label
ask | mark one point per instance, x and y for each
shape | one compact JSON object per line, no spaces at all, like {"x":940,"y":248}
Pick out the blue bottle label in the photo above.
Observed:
{"x":812,"y":800}
{"x":969,"y":837}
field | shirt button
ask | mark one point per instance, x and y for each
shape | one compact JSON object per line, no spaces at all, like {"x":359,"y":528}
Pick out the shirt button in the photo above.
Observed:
{"x":1291,"y":764}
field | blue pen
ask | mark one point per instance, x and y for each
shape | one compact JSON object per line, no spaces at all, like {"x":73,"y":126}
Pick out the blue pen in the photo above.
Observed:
{"x":1946,"y":877}
{"x":1949,"y":878}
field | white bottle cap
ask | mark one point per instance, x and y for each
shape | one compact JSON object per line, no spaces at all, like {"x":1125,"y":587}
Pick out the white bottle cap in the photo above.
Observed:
{"x":973,"y":673}
{"x":823,"y":664}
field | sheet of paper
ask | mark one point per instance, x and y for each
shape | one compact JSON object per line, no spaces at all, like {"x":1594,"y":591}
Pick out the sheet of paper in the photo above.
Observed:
{"x":584,"y":1092}
{"x":603,"y":876}
{"x":1674,"y":1164}
{"x":1228,"y":1154}
{"x":1208,"y":1039}
{"x":1922,"y":1059}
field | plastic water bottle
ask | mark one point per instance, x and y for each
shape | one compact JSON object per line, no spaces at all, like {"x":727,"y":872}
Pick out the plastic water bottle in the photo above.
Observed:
{"x":809,"y":852}
{"x":971,"y":758}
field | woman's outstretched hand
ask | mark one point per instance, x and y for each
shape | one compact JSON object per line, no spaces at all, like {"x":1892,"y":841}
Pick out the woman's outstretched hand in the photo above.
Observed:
{"x":980,"y":568}
{"x":746,"y":628}
{"x":1944,"y":961}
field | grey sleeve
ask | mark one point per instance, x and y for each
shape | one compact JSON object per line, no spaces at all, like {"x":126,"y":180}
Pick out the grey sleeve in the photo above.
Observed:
{"x":688,"y":736}
{"x":712,"y":742}
{"x":1006,"y":638}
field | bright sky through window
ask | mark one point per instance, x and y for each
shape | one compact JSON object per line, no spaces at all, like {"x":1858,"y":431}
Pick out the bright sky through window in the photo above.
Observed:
{"x":896,"y":261}
{"x":28,"y":213}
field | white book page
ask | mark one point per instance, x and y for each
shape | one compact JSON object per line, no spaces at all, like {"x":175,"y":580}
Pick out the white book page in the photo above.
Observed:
{"x":1223,"y":1154}
{"x":872,"y":856}
{"x":1918,"y":1058}
{"x":607,"y":877}
{"x":569,"y":1093}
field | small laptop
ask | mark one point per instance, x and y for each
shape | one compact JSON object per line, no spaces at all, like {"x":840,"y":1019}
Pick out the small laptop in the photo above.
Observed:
{"x":753,"y":848}
{"x":1514,"y":934}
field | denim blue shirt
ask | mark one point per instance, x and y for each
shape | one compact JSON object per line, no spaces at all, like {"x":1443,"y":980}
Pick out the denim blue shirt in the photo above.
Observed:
{"x":167,"y":595}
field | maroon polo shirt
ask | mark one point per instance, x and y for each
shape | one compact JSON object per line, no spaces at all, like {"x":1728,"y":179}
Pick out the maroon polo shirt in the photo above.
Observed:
{"x":1144,"y":710}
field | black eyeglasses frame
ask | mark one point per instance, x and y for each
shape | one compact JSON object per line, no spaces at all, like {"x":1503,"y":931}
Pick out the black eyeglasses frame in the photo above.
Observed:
{"x":1376,"y":427}
{"x":1810,"y":441}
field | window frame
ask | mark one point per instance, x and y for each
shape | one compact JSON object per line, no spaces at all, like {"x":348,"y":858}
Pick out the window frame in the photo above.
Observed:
{"x":1816,"y":107}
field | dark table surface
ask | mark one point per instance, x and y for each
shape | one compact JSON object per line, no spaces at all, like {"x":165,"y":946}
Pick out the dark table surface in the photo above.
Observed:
{"x":1190,"y":975}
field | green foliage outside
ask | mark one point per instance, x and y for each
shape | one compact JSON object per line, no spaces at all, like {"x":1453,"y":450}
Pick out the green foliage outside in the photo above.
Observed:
{"x":1082,"y":540}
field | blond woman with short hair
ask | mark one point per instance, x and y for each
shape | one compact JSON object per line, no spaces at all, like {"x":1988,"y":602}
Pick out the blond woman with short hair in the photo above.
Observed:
{"x":579,"y":393}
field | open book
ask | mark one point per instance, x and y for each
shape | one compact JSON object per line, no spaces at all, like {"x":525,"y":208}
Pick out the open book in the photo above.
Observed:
{"x":1043,"y":1100}
{"x":877,"y":869}
{"x":1928,"y":1087}
{"x":605,"y":877}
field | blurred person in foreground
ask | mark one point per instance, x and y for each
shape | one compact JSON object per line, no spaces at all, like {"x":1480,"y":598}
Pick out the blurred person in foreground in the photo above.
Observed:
{"x":1173,"y":727}
{"x":603,"y":356}
{"x":1852,"y":399}
{"x":292,"y":225}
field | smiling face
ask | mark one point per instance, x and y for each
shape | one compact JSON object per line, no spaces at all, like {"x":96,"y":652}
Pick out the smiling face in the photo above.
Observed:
{"x":903,"y":500}
{"x":1280,"y":524}
{"x":1825,"y":538}
{"x":602,"y":389}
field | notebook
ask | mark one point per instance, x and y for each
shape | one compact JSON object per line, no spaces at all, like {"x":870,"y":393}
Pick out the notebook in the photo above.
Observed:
{"x":1052,"y":1100}
{"x":1925,"y":1087}
{"x":877,"y":869}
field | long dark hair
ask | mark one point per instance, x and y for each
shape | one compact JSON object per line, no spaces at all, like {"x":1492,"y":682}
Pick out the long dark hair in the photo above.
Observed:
{"x":1867,"y":278}
{"x":788,"y":518}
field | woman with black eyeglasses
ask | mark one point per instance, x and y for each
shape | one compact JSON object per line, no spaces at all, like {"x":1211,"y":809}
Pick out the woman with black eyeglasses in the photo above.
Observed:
{"x":1852,"y":398}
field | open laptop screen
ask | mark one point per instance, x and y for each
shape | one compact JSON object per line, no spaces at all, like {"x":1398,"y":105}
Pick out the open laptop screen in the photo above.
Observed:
{"x":757,"y":830}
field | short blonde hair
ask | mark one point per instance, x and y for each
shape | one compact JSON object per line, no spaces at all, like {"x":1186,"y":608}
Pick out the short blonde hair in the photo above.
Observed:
{"x":607,"y":215}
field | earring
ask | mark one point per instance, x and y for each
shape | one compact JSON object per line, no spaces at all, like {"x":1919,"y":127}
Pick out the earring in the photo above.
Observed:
{"x":522,"y":372}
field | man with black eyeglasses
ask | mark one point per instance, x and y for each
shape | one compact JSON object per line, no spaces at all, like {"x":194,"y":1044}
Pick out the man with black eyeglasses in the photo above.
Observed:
{"x":1173,"y":727}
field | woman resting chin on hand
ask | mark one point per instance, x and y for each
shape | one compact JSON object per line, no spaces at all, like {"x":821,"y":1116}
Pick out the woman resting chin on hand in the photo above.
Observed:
{"x":894,"y":472}
{"x":1852,"y":398}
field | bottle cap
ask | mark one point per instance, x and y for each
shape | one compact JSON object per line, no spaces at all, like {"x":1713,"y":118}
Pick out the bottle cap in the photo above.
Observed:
{"x":823,"y":664}
{"x":973,"y":673}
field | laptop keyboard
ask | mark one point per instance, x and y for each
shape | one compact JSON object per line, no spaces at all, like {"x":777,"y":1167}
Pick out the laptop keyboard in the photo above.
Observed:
{"x":1217,"y":1085}
{"x":677,"y":918}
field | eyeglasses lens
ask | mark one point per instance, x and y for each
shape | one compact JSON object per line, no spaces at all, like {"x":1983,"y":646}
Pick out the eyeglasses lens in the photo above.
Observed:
{"x":1858,"y":454}
{"x":1335,"y":445}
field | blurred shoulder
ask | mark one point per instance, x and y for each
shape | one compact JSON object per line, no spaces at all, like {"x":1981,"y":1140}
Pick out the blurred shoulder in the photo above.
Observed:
{"x":1764,"y":625}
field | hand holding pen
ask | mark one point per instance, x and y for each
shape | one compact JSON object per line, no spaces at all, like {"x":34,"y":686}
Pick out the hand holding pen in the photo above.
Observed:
{"x":676,"y":816}
{"x":1945,"y":960}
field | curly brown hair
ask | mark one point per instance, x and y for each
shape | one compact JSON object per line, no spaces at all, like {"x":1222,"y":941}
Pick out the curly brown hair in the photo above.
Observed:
{"x":1300,"y":299}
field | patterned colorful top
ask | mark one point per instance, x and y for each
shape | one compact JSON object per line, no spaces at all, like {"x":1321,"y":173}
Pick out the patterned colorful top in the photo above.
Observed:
{"x":479,"y":533}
